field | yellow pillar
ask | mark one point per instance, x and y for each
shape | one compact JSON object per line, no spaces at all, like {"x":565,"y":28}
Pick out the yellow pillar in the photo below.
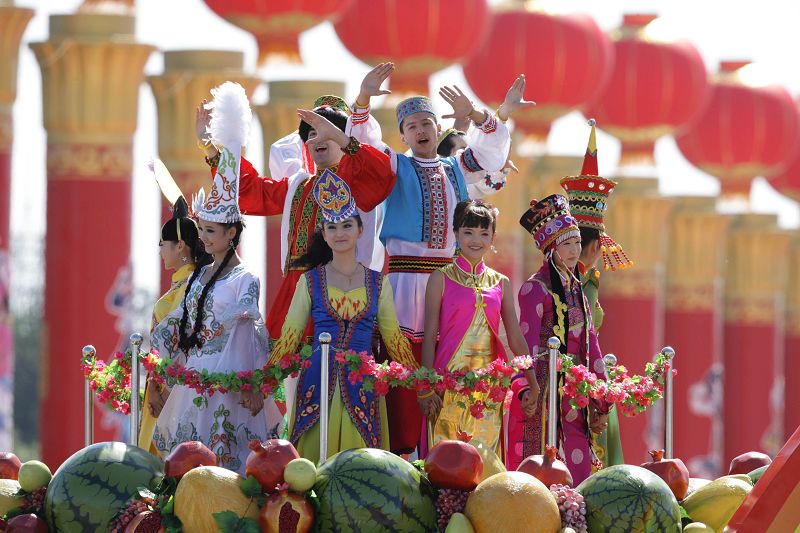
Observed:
{"x":13,"y":21}
{"x":755,"y":295}
{"x":387,"y":118}
{"x":92,"y":69}
{"x":188,"y":77}
{"x":791,"y":345}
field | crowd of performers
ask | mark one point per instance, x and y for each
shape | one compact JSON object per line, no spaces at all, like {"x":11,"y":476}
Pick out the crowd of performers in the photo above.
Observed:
{"x":347,"y":201}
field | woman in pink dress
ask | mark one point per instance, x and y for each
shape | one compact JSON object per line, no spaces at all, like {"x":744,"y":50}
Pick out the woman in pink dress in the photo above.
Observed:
{"x":552,"y":304}
{"x":464,"y":304}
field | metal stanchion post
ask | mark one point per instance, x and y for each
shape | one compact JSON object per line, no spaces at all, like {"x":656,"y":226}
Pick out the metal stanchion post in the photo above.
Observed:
{"x":669,"y":353}
{"x":325,"y":345}
{"x":553,"y":345}
{"x":88,"y":403}
{"x":136,"y":344}
{"x":610,"y":361}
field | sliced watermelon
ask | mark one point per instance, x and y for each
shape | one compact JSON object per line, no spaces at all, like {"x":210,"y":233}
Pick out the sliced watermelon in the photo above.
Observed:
{"x":93,"y":485}
{"x":373,"y":491}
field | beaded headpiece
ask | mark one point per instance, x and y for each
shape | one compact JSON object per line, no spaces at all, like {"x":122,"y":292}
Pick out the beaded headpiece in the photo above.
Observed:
{"x":414,"y":104}
{"x":331,"y":100}
{"x":230,"y":125}
{"x":550,"y":222}
{"x":588,"y":201}
{"x":333,"y":197}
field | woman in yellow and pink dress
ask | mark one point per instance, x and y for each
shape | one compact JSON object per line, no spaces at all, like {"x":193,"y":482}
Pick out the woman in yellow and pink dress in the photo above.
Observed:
{"x":464,"y":304}
{"x":346,"y":299}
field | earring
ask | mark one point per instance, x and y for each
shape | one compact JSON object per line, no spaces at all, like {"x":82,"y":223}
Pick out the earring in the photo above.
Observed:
{"x":231,"y":244}
{"x":184,"y":259}
{"x":493,"y":249}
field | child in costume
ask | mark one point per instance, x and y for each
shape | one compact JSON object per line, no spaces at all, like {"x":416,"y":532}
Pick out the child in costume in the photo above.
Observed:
{"x":218,"y":327}
{"x":552,"y":304}
{"x":588,"y":201}
{"x":464,"y":304}
{"x":346,"y":299}
{"x":419,"y":211}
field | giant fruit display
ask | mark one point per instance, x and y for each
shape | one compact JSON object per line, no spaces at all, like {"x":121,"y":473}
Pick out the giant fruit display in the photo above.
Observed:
{"x":631,"y":500}
{"x":91,"y":487}
{"x":373,"y":491}
{"x":206,"y":490}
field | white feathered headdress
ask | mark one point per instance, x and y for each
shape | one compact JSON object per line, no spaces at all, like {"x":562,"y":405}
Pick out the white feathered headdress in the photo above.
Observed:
{"x":229,"y":129}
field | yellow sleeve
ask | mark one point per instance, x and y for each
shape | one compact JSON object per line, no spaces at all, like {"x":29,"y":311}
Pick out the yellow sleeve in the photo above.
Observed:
{"x":295,"y":324}
{"x":396,"y":343}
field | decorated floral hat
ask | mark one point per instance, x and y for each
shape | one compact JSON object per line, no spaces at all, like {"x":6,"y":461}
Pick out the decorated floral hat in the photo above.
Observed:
{"x":588,"y":201}
{"x":550,"y":222}
{"x":333,"y":197}
{"x":230,"y":125}
{"x":331,"y":100}
{"x":414,"y":104}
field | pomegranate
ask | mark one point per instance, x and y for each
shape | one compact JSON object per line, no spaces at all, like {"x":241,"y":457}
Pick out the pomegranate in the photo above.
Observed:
{"x":454,"y":464}
{"x":547,"y":468}
{"x":747,"y":462}
{"x":26,"y":523}
{"x":188,"y":455}
{"x":286,"y":512}
{"x":146,"y":522}
{"x":267,"y":461}
{"x":672,"y":471}
{"x":9,"y":465}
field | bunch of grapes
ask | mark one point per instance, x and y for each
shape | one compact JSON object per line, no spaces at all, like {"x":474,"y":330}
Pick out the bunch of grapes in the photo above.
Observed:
{"x":571,"y":506}
{"x":129,"y":512}
{"x":34,"y":501}
{"x":448,"y":502}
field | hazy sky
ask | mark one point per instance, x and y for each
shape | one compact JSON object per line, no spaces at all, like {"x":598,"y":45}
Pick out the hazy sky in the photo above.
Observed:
{"x":765,"y":32}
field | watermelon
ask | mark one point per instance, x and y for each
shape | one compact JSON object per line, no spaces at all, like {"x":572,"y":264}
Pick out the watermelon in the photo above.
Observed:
{"x":373,"y":491}
{"x":629,"y":499}
{"x":93,"y":485}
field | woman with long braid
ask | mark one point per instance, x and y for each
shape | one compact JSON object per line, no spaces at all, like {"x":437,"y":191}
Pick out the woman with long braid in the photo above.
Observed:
{"x":218,"y":327}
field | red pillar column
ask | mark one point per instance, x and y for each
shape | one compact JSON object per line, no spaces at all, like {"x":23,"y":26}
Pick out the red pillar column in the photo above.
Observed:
{"x":633,"y":299}
{"x":91,"y":73}
{"x":279,"y":118}
{"x":13,"y":21}
{"x":755,"y":289}
{"x":693,"y":326}
{"x":791,"y":365}
{"x":188,"y":77}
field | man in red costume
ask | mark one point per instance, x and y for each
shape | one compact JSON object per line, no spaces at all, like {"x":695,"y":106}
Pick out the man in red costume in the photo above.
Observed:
{"x":365,"y":169}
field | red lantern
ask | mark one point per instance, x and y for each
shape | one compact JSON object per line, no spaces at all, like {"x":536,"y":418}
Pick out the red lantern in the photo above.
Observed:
{"x":566,"y":60}
{"x":419,"y":36}
{"x":655,"y":87}
{"x":277,"y":24}
{"x":746,"y":129}
{"x":787,"y":179}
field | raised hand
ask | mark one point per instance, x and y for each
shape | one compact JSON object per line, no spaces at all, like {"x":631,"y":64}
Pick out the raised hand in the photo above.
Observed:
{"x":460,"y":102}
{"x":324,"y":128}
{"x":371,"y":84}
{"x":202,"y":119}
{"x":514,"y":99}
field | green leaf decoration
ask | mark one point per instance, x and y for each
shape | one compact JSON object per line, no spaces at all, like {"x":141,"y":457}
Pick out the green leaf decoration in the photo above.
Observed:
{"x":250,"y":487}
{"x":227,"y":521}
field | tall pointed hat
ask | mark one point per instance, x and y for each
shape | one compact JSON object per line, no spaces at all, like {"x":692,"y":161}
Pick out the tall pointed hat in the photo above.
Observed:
{"x":182,"y":216}
{"x":588,"y":201}
{"x":229,"y":128}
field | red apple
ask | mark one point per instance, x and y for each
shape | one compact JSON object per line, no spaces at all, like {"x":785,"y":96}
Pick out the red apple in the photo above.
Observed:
{"x":286,"y":512}
{"x":747,"y":462}
{"x":188,"y":455}
{"x":454,"y":464}
{"x":547,"y":468}
{"x":26,"y":523}
{"x":672,"y":471}
{"x":267,"y":461}
{"x":9,"y":465}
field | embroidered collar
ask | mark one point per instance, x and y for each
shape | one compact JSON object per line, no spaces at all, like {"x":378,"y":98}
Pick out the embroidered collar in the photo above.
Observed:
{"x":464,"y":264}
{"x":429,"y":163}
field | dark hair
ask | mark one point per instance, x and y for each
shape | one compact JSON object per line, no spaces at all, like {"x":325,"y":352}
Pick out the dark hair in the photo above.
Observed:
{"x":447,"y":144}
{"x":474,"y":214}
{"x":588,"y":235}
{"x":189,"y":235}
{"x":318,"y":252}
{"x":193,"y":340}
{"x":558,"y":289}
{"x":435,"y":120}
{"x":338,"y":119}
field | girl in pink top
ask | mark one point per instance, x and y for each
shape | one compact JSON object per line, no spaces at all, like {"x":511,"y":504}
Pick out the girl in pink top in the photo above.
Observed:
{"x":464,"y":304}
